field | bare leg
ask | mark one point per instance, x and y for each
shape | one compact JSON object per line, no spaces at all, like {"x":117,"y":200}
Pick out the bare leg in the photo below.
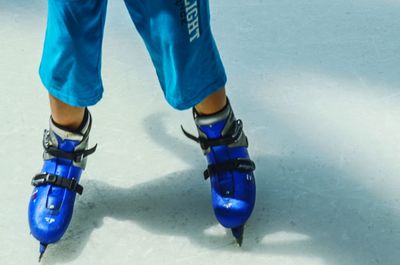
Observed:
{"x":66,"y":115}
{"x":213,"y":103}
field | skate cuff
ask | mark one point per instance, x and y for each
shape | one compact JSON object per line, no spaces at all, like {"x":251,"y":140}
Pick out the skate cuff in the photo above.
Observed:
{"x":232,"y":137}
{"x":241,"y":164}
{"x":45,"y":178}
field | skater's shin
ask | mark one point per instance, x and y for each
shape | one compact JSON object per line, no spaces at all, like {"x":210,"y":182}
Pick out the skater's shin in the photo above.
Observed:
{"x":66,"y":116}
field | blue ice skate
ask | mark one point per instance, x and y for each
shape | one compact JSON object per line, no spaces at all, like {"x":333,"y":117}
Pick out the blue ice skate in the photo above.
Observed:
{"x":230,"y":169}
{"x":52,"y":201}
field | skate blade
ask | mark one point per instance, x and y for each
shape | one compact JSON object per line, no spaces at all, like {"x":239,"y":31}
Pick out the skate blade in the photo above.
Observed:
{"x":42,"y":250}
{"x":238,"y":234}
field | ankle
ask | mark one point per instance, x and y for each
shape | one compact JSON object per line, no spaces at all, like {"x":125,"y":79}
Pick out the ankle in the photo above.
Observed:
{"x":213,"y":103}
{"x":72,"y":125}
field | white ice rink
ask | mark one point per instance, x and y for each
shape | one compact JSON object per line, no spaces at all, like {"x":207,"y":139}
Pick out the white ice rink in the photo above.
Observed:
{"x":317,"y":84}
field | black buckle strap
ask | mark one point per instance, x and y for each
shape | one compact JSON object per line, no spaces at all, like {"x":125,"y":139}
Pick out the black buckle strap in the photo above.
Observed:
{"x":46,"y":178}
{"x":205,"y":143}
{"x":241,"y":164}
{"x":76,"y":156}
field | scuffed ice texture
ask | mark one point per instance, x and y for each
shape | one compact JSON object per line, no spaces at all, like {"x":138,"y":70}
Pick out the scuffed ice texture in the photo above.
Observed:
{"x":316,"y":84}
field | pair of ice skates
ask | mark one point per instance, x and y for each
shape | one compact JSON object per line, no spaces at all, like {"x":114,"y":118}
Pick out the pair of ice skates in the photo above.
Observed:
{"x":221,"y":138}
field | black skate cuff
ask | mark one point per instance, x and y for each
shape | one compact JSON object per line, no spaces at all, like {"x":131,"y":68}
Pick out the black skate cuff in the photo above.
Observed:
{"x":77,"y":130}
{"x":197,"y":114}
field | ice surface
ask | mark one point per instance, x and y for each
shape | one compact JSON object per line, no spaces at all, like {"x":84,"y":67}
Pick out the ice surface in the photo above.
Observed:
{"x":317,"y":86}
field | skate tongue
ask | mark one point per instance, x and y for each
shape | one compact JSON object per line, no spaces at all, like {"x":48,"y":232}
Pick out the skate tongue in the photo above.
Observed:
{"x":213,"y":131}
{"x":213,"y":125}
{"x":56,"y":194}
{"x":55,"y":197}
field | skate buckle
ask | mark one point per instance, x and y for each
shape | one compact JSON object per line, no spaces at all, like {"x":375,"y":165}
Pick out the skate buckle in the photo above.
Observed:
{"x":50,"y":178}
{"x":238,"y":129}
{"x":244,"y":164}
{"x":79,"y":157}
{"x":73,"y":184}
{"x":46,"y":140}
{"x":39,"y":179}
{"x":37,"y":182}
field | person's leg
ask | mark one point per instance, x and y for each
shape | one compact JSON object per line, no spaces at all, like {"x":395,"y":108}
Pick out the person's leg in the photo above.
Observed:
{"x":230,"y":169}
{"x":65,"y":154}
{"x":65,"y":115}
{"x":70,"y":71}
{"x":179,"y":39}
{"x":70,"y":68}
{"x":213,"y":103}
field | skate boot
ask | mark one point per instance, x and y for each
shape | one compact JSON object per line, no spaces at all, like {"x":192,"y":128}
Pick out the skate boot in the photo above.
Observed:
{"x":52,"y":201}
{"x":230,"y":169}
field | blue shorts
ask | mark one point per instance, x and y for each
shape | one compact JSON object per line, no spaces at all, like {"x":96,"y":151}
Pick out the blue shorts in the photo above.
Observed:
{"x":177,"y":35}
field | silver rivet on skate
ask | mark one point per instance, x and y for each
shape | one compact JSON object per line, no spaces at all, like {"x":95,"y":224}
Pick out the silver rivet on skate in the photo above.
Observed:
{"x":51,"y":207}
{"x":228,"y":205}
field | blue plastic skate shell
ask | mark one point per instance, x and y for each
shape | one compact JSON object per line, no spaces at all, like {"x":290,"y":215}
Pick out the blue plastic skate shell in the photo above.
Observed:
{"x":50,"y":207}
{"x":233,"y":192}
